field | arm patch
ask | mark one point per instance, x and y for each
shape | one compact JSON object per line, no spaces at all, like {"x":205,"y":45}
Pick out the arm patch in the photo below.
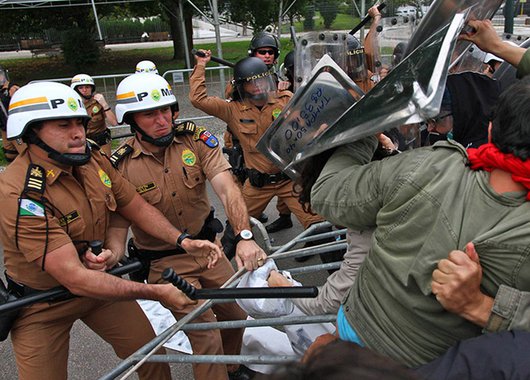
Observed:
{"x":199,"y":133}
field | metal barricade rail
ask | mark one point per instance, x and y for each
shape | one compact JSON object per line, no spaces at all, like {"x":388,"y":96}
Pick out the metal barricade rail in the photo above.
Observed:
{"x":147,"y":352}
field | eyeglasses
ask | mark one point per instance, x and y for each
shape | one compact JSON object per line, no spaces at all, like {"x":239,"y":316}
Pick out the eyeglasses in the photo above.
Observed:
{"x":437,"y":119}
{"x":267,"y":51}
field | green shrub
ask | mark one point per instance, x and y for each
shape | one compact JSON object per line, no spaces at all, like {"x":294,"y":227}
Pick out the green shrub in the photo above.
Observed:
{"x":80,"y":49}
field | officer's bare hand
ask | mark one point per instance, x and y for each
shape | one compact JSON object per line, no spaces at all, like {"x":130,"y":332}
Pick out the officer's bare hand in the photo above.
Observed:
{"x":249,"y":255}
{"x":101,"y":100}
{"x":102,"y":262}
{"x":203,"y":248}
{"x":276,"y":279}
{"x":373,"y":12}
{"x":203,"y":60}
{"x":456,"y":282}
{"x":172,"y":298}
{"x":283,"y":85}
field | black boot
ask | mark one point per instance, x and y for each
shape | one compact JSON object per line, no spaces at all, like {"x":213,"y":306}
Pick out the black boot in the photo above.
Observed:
{"x":282,"y":223}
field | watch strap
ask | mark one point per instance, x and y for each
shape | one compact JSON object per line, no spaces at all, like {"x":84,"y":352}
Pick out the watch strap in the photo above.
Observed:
{"x":181,"y":238}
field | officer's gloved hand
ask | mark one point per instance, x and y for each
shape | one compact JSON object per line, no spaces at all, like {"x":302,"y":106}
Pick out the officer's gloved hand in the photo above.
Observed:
{"x":101,"y":100}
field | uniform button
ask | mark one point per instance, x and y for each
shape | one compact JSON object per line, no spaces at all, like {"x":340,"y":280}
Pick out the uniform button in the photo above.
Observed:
{"x":347,"y":308}
{"x":166,"y":170}
{"x":173,"y":194}
{"x":180,"y":213}
{"x":197,"y":179}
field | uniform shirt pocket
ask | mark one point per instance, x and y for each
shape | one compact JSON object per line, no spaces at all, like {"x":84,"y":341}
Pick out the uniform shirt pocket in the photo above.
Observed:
{"x":249,"y":130}
{"x":152,"y":196}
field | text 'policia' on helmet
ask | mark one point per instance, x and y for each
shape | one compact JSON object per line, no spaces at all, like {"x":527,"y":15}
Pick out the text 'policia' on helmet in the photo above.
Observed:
{"x":82,"y":80}
{"x":253,"y":72}
{"x":142,"y":92}
{"x":42,"y":101}
{"x":264,"y":39}
{"x":146,"y":67}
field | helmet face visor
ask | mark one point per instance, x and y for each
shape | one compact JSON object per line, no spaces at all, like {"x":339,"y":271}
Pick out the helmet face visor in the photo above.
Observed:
{"x":258,"y":89}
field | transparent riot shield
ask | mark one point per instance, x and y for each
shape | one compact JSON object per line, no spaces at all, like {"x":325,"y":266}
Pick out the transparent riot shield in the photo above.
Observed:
{"x":327,"y":95}
{"x":410,"y":93}
{"x":394,"y":31}
{"x":506,"y":73}
{"x":439,"y":14}
{"x":472,"y":60}
{"x":312,"y":47}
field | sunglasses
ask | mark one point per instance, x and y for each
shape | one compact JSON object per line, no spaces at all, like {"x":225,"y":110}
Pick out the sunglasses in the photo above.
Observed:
{"x":267,"y":51}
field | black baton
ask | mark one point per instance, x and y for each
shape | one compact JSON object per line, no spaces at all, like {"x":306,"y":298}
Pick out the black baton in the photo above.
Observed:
{"x":61,"y":292}
{"x":363,"y":22}
{"x":239,"y":293}
{"x":213,"y":58}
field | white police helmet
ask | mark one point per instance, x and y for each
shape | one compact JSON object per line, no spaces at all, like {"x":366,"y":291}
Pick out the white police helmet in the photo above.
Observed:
{"x":142,"y":92}
{"x":146,"y":67}
{"x":42,"y":101}
{"x":82,"y":80}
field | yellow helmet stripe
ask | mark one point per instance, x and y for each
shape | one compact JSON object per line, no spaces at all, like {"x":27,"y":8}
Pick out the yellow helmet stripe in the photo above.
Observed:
{"x":26,"y":102}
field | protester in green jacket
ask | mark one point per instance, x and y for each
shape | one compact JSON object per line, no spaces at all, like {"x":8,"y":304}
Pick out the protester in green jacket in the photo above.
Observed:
{"x":424,"y":204}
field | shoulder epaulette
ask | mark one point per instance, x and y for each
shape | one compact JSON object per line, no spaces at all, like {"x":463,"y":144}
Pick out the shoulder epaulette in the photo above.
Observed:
{"x":120,"y":154}
{"x":199,"y":133}
{"x":35,"y":180}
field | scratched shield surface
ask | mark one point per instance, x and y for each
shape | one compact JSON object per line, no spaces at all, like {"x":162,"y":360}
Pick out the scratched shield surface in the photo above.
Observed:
{"x":328,"y":94}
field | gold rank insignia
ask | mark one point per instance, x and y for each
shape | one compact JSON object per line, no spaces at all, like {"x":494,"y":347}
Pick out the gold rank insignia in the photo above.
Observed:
{"x":276,"y":112}
{"x":68,"y":218}
{"x":36,"y":172}
{"x":105,"y":178}
{"x":145,"y":188}
{"x":50,"y":173}
{"x":188,"y":157}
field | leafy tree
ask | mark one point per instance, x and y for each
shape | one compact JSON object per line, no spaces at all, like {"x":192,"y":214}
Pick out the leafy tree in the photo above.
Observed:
{"x":80,"y":49}
{"x":309,"y":22}
{"x":328,"y":10}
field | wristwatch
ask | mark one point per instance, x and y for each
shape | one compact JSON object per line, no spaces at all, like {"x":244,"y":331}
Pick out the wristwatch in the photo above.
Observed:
{"x":181,"y":238}
{"x":244,"y":235}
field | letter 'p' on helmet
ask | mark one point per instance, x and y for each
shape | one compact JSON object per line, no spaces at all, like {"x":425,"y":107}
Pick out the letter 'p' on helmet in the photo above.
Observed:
{"x":142,"y":92}
{"x":42,"y":101}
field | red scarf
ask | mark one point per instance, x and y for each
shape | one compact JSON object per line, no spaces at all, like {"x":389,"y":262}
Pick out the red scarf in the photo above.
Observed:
{"x":489,"y":157}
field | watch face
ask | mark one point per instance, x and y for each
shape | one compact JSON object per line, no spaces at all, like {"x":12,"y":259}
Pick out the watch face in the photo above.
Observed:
{"x":246,"y":234}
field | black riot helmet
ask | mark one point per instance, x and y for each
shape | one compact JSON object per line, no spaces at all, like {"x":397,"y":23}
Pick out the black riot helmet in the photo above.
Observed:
{"x":398,"y":53}
{"x":264,"y":39}
{"x":288,"y":67}
{"x":253,"y":71}
{"x":355,"y":59}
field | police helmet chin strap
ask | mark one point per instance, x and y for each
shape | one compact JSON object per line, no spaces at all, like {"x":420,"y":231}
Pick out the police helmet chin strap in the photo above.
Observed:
{"x":70,"y":159}
{"x":163,"y":141}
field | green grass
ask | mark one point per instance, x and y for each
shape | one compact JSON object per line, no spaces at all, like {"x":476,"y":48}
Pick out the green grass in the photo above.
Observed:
{"x":342,"y":22}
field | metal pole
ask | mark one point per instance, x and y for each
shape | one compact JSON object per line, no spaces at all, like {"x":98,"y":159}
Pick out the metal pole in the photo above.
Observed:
{"x":280,"y":20}
{"x":184,"y":36}
{"x":97,"y":21}
{"x":218,"y":40}
{"x":509,"y":12}
{"x":363,"y":12}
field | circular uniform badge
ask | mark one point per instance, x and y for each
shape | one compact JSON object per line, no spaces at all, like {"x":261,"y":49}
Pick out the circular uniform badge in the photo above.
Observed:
{"x":105,"y":178}
{"x":188,"y":157}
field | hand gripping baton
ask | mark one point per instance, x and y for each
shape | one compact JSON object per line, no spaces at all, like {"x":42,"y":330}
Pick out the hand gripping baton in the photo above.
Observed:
{"x":215,"y":59}
{"x":363,"y":22}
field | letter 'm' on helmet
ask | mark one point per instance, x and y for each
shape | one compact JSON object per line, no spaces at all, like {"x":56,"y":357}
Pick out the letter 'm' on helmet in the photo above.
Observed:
{"x":42,"y":101}
{"x":146,"y":67}
{"x":264,"y":39}
{"x":82,"y":80}
{"x":142,"y":92}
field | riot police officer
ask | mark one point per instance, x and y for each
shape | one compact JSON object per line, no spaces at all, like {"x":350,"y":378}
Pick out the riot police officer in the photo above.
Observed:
{"x":146,"y":67}
{"x":255,"y":105}
{"x":7,"y":89}
{"x":98,"y":110}
{"x":169,"y":165}
{"x":56,"y":197}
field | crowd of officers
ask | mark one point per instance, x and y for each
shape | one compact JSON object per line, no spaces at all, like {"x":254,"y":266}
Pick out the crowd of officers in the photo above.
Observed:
{"x":66,"y":189}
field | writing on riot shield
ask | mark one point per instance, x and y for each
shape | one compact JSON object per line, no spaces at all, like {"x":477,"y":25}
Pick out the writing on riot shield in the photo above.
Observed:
{"x":301,"y":122}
